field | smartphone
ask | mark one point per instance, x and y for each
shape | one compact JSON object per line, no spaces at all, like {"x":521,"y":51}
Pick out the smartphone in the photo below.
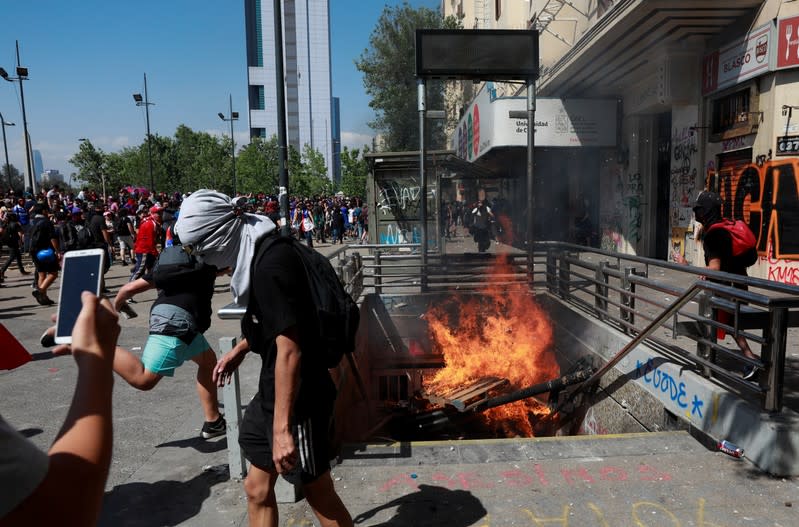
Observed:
{"x":80,"y":271}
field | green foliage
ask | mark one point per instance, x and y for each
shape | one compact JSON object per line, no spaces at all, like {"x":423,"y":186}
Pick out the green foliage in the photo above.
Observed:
{"x":354,"y":170}
{"x":389,"y":68}
{"x":16,"y":177}
{"x":257,"y":166}
{"x":90,"y":162}
{"x":192,"y":160}
{"x":309,"y":177}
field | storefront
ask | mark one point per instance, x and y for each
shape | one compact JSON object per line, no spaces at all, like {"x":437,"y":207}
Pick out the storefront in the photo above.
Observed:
{"x":574,"y":139}
{"x":750,"y":86}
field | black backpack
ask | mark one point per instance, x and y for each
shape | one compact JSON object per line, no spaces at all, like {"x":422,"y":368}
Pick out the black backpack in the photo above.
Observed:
{"x":38,"y":236}
{"x":174,"y":266}
{"x":337,"y":314}
{"x":76,"y":236}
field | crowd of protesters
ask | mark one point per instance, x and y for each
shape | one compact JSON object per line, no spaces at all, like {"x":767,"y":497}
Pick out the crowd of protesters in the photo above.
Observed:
{"x":133,"y":225}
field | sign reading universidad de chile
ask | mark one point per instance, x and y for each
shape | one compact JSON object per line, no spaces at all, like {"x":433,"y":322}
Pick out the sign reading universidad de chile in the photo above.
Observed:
{"x":745,"y":58}
{"x":558,"y":123}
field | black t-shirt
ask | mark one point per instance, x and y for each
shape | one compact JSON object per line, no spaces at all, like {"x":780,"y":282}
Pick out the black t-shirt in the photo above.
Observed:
{"x":283,"y":297}
{"x":11,"y":234}
{"x":718,"y":244}
{"x":123,"y":226}
{"x":192,"y":291}
{"x":97,"y":226}
{"x":46,"y":233}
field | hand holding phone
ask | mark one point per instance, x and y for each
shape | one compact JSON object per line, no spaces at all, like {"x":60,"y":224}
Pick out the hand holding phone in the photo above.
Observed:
{"x":96,"y":330}
{"x":81,"y":271}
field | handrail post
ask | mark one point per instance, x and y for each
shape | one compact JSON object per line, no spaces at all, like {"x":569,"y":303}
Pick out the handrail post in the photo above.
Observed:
{"x":773,"y":356}
{"x":378,"y":274}
{"x":564,"y":274}
{"x":705,"y":351}
{"x":627,"y":300}
{"x":601,"y":288}
{"x":231,"y":395}
{"x":552,"y":268}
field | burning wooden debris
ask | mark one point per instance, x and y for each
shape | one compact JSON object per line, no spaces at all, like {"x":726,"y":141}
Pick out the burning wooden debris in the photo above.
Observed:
{"x":456,"y":407}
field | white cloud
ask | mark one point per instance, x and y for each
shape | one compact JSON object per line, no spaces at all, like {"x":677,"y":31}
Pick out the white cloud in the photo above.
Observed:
{"x":242,"y":138}
{"x":355,"y":140}
{"x":119,"y":142}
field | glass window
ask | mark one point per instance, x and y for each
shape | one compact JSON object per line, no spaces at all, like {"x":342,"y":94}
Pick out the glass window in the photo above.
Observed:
{"x":731,"y":112}
{"x":259,"y":36}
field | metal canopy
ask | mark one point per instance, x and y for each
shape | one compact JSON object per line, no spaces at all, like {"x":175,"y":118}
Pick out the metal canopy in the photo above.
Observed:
{"x":620,"y":49}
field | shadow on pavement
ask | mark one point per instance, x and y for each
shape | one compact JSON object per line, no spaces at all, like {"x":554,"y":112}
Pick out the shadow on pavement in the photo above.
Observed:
{"x":164,"y":503}
{"x":430,"y":505}
{"x":197,"y":443}
{"x":42,"y":355}
{"x":30,"y":432}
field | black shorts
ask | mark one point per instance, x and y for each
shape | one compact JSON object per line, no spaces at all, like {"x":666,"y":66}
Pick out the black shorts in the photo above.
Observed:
{"x":45,"y":267}
{"x":312,"y":435}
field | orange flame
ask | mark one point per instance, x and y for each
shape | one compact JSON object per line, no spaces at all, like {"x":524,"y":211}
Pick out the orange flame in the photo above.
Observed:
{"x":501,"y":333}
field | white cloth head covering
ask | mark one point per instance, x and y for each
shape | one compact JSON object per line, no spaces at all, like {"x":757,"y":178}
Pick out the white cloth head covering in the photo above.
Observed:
{"x":222,"y":235}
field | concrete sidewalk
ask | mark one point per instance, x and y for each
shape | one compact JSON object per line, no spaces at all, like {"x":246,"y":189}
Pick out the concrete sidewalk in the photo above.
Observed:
{"x":163,"y":474}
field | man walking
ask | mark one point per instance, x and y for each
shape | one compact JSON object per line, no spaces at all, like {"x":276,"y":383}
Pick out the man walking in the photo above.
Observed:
{"x":717,"y":243}
{"x":285,"y":428}
{"x":146,"y":245}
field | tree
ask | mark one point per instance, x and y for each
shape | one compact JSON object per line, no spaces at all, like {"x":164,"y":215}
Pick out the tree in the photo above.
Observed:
{"x":354,"y":170}
{"x":309,"y":177}
{"x":257,"y":166}
{"x":90,"y":162}
{"x":389,"y":76}
{"x":16,"y":177}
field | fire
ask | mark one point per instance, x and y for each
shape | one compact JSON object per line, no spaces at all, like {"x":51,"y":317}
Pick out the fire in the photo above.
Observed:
{"x":501,"y":333}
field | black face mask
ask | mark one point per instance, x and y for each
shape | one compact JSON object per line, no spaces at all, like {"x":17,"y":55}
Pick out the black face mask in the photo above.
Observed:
{"x":708,"y":208}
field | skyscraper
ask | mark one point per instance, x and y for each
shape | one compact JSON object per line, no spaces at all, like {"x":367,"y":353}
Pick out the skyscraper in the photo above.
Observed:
{"x":38,"y":165}
{"x":306,"y":51}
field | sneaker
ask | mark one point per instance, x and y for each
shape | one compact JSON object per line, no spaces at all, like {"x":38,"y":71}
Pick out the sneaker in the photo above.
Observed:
{"x":215,"y":429}
{"x":39,"y":298}
{"x":47,"y":339}
{"x":749,"y":373}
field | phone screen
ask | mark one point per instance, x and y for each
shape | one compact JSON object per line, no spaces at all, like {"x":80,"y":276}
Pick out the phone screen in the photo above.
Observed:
{"x":80,"y":273}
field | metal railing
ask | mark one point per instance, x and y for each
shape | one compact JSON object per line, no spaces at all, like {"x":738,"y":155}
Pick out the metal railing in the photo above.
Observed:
{"x":620,"y":291}
{"x":617,"y":289}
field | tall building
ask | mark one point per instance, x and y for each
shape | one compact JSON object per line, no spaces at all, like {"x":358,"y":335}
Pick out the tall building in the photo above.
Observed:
{"x":336,"y":140}
{"x":38,"y":165}
{"x":306,"y":52}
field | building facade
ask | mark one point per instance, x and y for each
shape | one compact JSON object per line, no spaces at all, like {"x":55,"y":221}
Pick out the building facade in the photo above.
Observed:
{"x":38,"y":165}
{"x":705,"y":93}
{"x":308,"y":85}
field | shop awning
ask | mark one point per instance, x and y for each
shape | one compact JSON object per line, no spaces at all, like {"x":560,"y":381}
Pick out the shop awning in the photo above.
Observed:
{"x":621,"y":48}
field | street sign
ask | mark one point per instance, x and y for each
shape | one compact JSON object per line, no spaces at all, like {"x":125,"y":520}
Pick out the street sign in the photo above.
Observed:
{"x":477,"y":54}
{"x":788,"y":145}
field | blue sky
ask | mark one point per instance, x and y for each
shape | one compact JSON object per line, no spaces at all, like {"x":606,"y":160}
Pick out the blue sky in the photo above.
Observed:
{"x":87,"y":57}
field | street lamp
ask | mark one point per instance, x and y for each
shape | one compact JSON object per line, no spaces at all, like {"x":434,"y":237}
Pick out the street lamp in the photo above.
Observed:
{"x":146,"y":103}
{"x":3,"y":124}
{"x":22,"y":74}
{"x":102,"y":173}
{"x":234,"y":116}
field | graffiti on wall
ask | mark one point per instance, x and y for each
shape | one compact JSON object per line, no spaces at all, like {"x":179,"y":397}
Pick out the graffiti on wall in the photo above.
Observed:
{"x":779,"y":269}
{"x":766,"y":197}
{"x":392,"y":234}
{"x":398,"y":197}
{"x":399,"y":201}
{"x":632,"y":192}
{"x":622,"y":223}
{"x":683,"y":175}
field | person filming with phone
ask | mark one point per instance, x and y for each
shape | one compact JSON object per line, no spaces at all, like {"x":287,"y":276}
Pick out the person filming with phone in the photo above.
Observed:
{"x":66,"y":485}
